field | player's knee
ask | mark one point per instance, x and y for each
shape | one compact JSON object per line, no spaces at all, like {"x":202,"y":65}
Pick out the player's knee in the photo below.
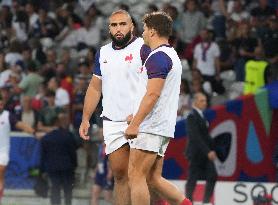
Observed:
{"x":120,"y":174}
{"x":153,"y":181}
{"x":134,"y":175}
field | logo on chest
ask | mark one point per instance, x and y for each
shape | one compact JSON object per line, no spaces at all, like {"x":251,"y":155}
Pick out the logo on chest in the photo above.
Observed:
{"x":129,"y":58}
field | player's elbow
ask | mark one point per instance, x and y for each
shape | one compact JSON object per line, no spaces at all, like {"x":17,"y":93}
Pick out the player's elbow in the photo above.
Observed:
{"x":153,"y":95}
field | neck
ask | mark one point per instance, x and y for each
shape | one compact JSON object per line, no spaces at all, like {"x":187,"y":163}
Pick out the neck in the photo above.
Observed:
{"x":158,"y":42}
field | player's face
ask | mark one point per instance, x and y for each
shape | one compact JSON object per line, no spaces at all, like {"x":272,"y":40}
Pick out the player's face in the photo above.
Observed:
{"x":146,"y":35}
{"x":120,"y":28}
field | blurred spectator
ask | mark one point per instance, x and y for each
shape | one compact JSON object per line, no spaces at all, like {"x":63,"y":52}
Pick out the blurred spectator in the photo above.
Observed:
{"x":256,"y":74}
{"x":238,"y":13}
{"x":200,"y":150}
{"x":78,"y":101}
{"x":69,"y":62}
{"x":244,"y":46}
{"x":172,"y":11}
{"x":4,"y":71}
{"x":14,"y":54}
{"x":62,"y":98}
{"x":48,"y":114}
{"x":32,"y":14}
{"x":26,"y":113}
{"x":45,"y":26}
{"x":11,"y":100}
{"x":89,"y":34}
{"x":184,"y":100}
{"x":270,"y":40}
{"x":85,"y":72}
{"x":260,"y":16}
{"x":262,"y":12}
{"x":68,"y":37}
{"x":103,"y":181}
{"x":220,"y":15}
{"x":227,"y":55}
{"x":206,"y":59}
{"x":59,"y":160}
{"x":30,"y":84}
{"x":192,"y":20}
{"x":20,"y":26}
{"x":65,"y":79}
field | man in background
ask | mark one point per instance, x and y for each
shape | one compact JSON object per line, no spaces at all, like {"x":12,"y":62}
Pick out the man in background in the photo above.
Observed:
{"x":200,"y":150}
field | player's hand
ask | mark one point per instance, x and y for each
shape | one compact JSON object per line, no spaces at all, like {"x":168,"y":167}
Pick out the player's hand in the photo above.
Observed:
{"x":83,"y":130}
{"x":129,"y":118}
{"x":212,"y":155}
{"x":131,"y":132}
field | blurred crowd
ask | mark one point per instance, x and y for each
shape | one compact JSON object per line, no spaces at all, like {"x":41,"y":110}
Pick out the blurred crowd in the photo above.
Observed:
{"x":47,"y":51}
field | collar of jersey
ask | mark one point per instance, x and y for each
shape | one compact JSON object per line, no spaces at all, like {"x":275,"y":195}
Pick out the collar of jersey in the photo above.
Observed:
{"x":166,"y":45}
{"x":115,"y":48}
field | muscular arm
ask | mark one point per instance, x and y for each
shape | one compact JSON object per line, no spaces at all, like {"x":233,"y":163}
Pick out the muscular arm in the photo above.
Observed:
{"x":92,"y":98}
{"x":90,"y":103}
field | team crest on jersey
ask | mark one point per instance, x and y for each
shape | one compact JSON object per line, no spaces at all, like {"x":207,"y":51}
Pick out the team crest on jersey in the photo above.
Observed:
{"x":140,"y":70}
{"x":129,"y":58}
{"x":105,"y":61}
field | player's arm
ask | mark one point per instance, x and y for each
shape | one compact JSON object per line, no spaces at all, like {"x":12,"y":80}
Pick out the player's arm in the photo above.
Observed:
{"x":92,"y":98}
{"x":154,"y":88}
{"x":158,"y":66}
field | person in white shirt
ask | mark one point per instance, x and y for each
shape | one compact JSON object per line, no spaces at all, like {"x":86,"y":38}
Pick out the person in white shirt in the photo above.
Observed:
{"x":62,"y":98}
{"x":206,"y":59}
{"x":116,"y":77}
{"x":153,"y":124}
{"x":7,"y":121}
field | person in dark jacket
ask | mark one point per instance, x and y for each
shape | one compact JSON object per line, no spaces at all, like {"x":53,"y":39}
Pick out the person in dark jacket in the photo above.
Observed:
{"x":59,"y":160}
{"x":200,"y":150}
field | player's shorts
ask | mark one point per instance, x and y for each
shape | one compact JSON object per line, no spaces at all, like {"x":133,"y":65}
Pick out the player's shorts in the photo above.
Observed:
{"x":4,"y":158}
{"x":150,"y":142}
{"x":114,"y":137}
{"x":101,"y":180}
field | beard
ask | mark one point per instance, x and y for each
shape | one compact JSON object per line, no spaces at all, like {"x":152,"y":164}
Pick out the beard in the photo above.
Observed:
{"x":121,"y":42}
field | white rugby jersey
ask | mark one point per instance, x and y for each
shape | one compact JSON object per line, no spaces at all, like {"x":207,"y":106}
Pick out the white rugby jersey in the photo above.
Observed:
{"x":118,"y":69}
{"x":163,"y":62}
{"x":5,"y":128}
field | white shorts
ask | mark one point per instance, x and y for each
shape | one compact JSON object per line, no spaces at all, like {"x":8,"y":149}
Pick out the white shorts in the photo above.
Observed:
{"x":114,"y":135}
{"x":4,"y":158}
{"x":150,"y":142}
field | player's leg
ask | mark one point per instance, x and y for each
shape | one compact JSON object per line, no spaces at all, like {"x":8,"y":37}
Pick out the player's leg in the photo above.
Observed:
{"x":108,"y":196}
{"x":140,"y":162}
{"x":2,"y":178}
{"x":211,"y":176}
{"x":96,"y":191}
{"x":193,"y":175}
{"x":117,"y":149}
{"x":4,"y":160}
{"x":118,"y":161}
{"x":164,"y":187}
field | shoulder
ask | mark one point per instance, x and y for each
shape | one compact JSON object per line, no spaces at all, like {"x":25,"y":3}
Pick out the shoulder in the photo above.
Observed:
{"x":159,"y":59}
{"x":106,"y":47}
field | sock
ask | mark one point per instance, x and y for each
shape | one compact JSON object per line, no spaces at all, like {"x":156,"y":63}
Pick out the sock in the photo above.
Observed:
{"x":186,"y":202}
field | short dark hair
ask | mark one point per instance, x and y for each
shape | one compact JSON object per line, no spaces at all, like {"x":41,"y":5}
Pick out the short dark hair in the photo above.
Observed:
{"x":159,"y":21}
